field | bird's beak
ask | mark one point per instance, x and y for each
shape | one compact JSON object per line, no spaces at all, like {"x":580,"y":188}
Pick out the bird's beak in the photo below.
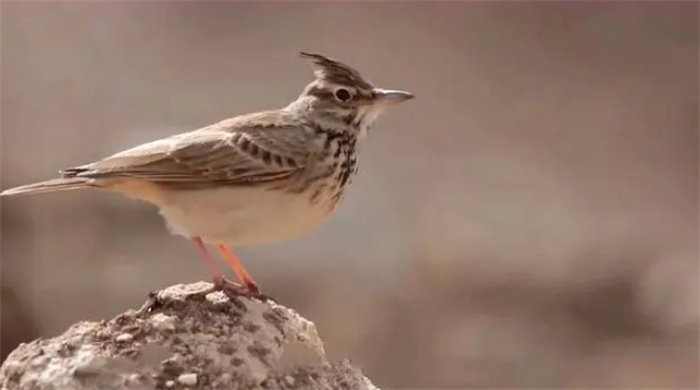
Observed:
{"x":389,"y":96}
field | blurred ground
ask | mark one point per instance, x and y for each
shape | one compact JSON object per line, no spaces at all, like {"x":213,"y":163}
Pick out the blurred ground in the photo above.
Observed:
{"x":530,"y":220}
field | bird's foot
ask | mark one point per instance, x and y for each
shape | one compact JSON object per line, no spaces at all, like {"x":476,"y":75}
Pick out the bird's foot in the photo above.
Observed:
{"x":233,"y":290}
{"x":152,"y":303}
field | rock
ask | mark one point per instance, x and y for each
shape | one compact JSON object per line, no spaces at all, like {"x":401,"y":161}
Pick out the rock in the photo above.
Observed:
{"x":189,"y":379}
{"x":162,"y":322}
{"x":190,"y":338}
{"x":124,"y":338}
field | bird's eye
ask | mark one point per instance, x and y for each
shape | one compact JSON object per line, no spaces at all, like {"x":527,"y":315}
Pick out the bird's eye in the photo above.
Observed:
{"x":342,"y":94}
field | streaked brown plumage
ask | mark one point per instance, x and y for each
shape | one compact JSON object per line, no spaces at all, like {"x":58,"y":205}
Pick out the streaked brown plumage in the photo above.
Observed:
{"x":251,"y":179}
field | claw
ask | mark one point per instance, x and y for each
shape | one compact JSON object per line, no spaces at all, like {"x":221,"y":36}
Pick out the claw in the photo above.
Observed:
{"x":152,"y":303}
{"x":234,"y":290}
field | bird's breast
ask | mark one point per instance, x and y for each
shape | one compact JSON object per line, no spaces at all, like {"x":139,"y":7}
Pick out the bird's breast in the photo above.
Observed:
{"x":244,"y":215}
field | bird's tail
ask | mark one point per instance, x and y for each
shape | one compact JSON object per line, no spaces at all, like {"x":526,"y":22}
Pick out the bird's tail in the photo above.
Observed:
{"x":63,"y":184}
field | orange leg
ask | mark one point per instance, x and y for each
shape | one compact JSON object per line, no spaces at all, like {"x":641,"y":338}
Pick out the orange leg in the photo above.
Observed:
{"x":213,"y":269}
{"x":230,"y":288}
{"x":243,"y":275}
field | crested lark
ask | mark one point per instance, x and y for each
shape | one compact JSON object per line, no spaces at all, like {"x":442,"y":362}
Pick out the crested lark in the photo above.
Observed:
{"x":256,"y":178}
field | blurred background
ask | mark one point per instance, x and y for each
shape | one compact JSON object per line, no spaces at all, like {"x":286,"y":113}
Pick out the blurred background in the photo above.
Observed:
{"x":530,"y":220}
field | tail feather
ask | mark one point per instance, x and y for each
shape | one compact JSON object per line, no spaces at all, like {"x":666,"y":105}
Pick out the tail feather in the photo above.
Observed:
{"x":62,"y":184}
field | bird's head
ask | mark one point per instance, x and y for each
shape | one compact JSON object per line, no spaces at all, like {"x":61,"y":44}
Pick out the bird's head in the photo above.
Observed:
{"x":340,"y":95}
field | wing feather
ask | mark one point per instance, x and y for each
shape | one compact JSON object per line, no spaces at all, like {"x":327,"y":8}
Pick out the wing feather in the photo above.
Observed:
{"x":248,"y":149}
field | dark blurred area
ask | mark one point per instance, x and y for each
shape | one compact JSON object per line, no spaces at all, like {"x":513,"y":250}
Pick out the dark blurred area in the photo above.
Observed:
{"x":530,"y":220}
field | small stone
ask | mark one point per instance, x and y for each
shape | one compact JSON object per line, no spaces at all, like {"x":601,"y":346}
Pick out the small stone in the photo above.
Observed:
{"x":162,"y":322}
{"x":133,"y":379}
{"x":169,"y":384}
{"x":124,"y":338}
{"x":188,"y":379}
{"x":289,"y":380}
{"x":217,"y":298}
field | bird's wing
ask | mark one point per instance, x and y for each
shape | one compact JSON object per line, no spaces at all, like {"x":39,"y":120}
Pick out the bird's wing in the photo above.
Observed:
{"x":248,"y":149}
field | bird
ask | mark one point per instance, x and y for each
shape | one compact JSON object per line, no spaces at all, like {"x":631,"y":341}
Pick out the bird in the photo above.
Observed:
{"x":251,"y":179}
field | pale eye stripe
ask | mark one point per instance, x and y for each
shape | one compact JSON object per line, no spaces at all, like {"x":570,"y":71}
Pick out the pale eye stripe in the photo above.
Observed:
{"x":320,"y":93}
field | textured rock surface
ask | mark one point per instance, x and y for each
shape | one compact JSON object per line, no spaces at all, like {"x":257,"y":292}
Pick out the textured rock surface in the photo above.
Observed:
{"x":191,"y":339}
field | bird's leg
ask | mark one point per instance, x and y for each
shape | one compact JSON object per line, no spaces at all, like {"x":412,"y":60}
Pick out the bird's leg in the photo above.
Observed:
{"x":243,"y":275}
{"x":220,"y":282}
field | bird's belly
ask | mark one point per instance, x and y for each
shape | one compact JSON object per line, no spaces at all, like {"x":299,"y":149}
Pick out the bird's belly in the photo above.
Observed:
{"x":243,"y":216}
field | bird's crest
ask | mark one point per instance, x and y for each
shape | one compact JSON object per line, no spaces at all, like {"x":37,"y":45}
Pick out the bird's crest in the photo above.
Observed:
{"x":335,"y":71}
